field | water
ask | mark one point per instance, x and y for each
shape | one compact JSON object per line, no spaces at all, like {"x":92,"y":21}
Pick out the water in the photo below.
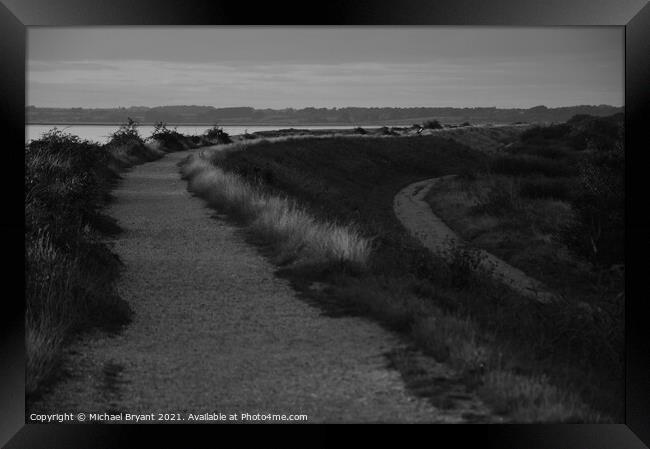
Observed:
{"x":101,"y":133}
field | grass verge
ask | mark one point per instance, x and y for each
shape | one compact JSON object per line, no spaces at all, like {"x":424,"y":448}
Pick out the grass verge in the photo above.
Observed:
{"x":296,"y":235}
{"x":70,"y":272}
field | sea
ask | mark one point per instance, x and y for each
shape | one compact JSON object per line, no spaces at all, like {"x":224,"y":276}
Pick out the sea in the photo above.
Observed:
{"x":101,"y":133}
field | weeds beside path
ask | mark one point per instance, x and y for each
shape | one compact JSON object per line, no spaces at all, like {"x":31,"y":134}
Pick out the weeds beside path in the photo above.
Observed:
{"x":70,"y":272}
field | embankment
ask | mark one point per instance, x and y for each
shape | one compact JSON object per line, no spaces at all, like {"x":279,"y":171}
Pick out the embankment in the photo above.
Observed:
{"x":482,"y":330}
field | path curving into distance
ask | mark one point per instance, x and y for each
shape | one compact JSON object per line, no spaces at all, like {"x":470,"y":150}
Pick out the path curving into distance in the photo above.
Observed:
{"x":416,"y":216}
{"x":214,"y":329}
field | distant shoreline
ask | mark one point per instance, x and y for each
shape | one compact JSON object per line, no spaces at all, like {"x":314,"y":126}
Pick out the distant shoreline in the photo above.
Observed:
{"x":351,"y":125}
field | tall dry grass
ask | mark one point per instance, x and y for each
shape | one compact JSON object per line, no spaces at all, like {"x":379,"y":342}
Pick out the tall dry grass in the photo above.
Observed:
{"x":535,"y":399}
{"x":70,"y":272}
{"x":296,"y":236}
{"x":47,"y":310}
{"x":520,"y":395}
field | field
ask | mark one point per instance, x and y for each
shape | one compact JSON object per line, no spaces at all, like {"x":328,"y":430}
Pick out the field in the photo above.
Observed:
{"x":531,"y":363}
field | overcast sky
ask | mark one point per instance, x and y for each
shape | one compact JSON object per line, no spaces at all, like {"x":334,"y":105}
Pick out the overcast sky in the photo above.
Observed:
{"x":324,"y":67}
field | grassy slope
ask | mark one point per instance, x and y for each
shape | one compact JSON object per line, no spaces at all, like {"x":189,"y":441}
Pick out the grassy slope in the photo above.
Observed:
{"x":352,"y":179}
{"x":525,"y":237}
{"x":520,"y":207}
{"x":523,"y":358}
{"x":486,"y":139}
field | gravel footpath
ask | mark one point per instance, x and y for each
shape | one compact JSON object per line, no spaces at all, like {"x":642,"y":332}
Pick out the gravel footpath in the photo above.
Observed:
{"x":215,"y":331}
{"x":416,"y":216}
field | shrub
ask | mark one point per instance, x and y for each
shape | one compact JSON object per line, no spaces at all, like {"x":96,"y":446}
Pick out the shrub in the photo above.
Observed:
{"x":196,"y":140}
{"x":65,"y":181}
{"x":432,"y":124}
{"x":386,"y":131}
{"x":218,"y":135}
{"x":360,"y":130}
{"x":597,"y":233}
{"x":126,"y":134}
{"x":167,"y":137}
{"x":595,"y":132}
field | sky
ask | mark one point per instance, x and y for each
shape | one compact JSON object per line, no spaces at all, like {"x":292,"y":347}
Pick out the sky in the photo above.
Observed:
{"x":282,"y":67}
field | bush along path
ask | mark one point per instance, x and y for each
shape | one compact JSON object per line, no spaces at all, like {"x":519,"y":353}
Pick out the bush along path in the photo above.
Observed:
{"x":416,"y":216}
{"x":214,"y":330}
{"x":70,"y":273}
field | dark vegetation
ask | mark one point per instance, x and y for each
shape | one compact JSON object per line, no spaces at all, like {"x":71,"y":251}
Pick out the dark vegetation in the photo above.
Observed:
{"x":126,"y":147}
{"x":552,"y":204}
{"x":388,"y":131}
{"x":369,"y":131}
{"x":558,"y":188}
{"x":597,"y":233}
{"x":309,"y":116}
{"x":169,"y":138}
{"x":581,"y":162}
{"x":70,"y":272}
{"x":579,"y":165}
{"x":528,"y":164}
{"x":432,"y":124}
{"x":217,"y":135}
{"x":538,"y":188}
{"x":530,"y":361}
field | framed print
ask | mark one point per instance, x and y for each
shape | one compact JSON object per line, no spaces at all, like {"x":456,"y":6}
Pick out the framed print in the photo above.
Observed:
{"x":425,"y":212}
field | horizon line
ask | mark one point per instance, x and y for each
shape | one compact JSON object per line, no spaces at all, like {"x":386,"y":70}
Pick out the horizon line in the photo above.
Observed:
{"x":320,"y":107}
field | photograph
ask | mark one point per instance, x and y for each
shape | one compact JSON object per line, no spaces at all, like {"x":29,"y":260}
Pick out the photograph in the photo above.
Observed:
{"x":325,"y":224}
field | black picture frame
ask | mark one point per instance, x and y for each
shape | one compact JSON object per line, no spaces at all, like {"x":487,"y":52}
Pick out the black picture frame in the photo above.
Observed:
{"x":634,"y":15}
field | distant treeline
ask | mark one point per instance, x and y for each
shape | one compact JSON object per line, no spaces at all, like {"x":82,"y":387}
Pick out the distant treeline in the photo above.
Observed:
{"x":313,"y":116}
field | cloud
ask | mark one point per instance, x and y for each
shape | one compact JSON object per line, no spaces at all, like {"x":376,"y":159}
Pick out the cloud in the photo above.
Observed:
{"x":499,"y":82}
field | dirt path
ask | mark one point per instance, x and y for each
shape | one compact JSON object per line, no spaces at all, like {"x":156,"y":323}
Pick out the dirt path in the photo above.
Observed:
{"x":416,"y":215}
{"x":215,"y":331}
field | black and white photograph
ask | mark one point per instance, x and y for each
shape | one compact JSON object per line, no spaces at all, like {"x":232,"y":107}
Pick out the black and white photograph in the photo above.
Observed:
{"x":324,"y":224}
